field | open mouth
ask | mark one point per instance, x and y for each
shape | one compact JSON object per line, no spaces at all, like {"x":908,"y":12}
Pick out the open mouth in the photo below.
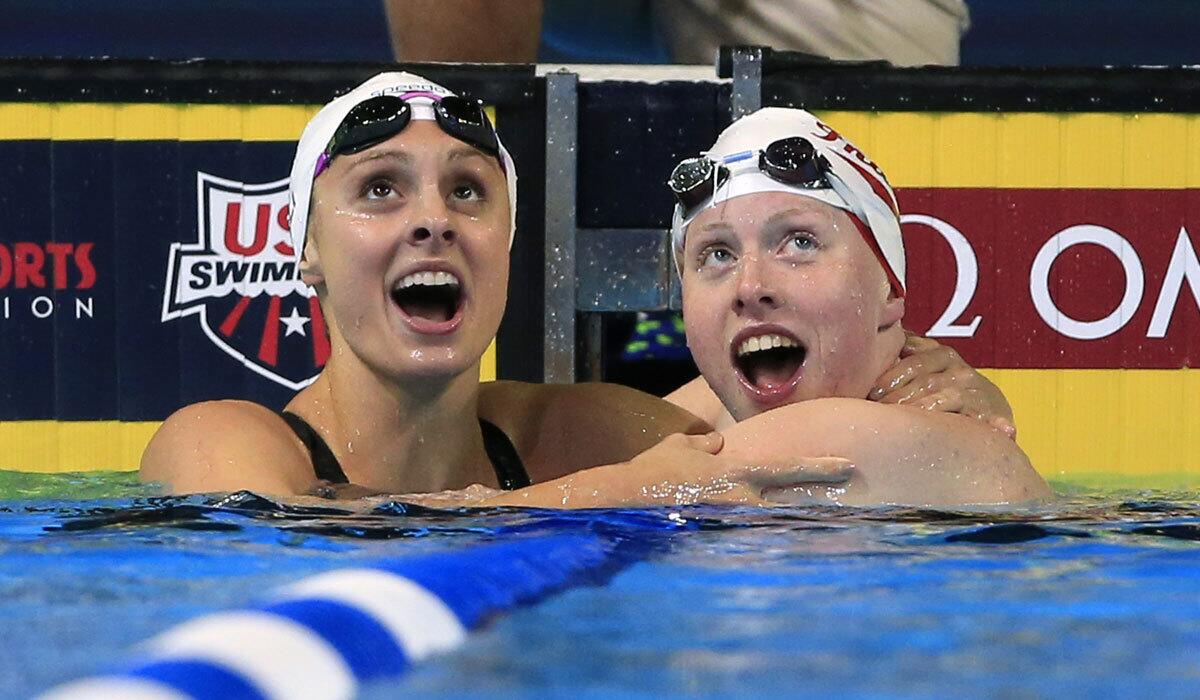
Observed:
{"x":770,"y":362}
{"x":429,"y":298}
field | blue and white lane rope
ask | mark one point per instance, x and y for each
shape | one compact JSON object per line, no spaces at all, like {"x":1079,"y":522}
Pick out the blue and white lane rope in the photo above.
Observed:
{"x":323,"y":636}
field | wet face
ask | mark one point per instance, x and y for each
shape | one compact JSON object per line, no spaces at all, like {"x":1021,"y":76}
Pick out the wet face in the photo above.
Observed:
{"x":409,"y":251}
{"x":784,"y":301}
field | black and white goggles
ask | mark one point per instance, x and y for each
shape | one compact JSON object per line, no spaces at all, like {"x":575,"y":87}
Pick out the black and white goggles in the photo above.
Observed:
{"x":793,"y":161}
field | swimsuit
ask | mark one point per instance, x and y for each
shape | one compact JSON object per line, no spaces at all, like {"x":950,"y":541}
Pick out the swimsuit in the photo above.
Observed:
{"x":510,"y":472}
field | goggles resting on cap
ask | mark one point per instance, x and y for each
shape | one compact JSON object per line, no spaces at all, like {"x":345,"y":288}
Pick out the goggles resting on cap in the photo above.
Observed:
{"x":377,"y":119}
{"x":793,"y":161}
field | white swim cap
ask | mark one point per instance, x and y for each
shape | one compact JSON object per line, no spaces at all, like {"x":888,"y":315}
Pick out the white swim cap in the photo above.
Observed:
{"x":858,"y":185}
{"x":418,"y":92}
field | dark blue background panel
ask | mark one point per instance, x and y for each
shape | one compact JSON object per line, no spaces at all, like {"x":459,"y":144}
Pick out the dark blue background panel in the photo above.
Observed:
{"x":149,"y":379}
{"x":87,"y":238}
{"x":85,"y":312}
{"x":26,"y":342}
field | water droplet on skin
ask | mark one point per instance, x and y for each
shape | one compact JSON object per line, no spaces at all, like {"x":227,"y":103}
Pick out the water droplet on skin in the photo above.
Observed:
{"x":350,"y":447}
{"x":352,"y":214}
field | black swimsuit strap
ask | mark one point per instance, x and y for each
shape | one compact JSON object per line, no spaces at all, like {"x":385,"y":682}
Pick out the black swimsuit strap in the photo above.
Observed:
{"x":510,"y":472}
{"x":324,"y":462}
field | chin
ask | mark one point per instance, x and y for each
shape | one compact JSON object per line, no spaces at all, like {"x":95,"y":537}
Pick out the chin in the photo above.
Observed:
{"x":437,"y":363}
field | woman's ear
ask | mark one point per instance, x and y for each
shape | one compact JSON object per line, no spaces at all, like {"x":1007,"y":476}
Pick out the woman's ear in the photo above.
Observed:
{"x":893,"y":311}
{"x":311,"y":272}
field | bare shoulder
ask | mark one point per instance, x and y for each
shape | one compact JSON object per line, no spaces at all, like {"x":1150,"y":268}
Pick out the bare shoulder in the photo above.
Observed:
{"x":904,"y":455}
{"x":698,"y":398}
{"x":226,"y":446}
{"x":561,"y":428}
{"x":596,"y":400}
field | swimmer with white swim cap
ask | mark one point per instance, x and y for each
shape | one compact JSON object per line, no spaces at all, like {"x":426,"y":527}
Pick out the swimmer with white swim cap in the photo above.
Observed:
{"x":787,"y":241}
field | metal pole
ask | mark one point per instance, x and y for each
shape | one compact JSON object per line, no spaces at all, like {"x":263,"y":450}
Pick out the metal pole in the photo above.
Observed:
{"x":562,"y":114}
{"x":747,"y":81}
{"x":593,"y":348}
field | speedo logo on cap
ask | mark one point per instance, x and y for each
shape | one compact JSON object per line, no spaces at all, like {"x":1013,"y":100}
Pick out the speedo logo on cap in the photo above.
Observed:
{"x":411,"y":87}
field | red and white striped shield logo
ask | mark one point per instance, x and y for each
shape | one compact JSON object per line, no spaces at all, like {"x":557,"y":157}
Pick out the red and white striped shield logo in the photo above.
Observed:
{"x":239,"y":280}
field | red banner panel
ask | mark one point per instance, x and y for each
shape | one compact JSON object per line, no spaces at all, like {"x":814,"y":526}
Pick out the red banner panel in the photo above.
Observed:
{"x":1056,"y":278}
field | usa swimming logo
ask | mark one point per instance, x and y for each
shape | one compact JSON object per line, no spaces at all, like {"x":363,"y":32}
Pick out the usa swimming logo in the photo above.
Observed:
{"x":239,"y":281}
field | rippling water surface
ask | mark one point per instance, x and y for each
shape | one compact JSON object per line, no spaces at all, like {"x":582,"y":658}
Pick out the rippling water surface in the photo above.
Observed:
{"x":1096,"y":595}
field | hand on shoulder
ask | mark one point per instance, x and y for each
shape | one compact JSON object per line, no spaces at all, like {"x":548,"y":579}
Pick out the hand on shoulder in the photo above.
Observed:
{"x":683,"y":470}
{"x":218,"y":446}
{"x":934,"y":377}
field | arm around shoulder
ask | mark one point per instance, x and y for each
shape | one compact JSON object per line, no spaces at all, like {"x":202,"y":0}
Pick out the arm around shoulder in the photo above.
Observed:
{"x":220,"y":446}
{"x":596,"y":423}
{"x":559,"y":429}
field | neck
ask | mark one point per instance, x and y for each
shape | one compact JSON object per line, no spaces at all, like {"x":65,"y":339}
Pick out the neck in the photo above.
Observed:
{"x":887,"y":349}
{"x":398,"y":436}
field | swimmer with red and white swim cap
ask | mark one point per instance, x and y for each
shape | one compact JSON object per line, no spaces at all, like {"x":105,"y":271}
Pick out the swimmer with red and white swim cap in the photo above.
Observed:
{"x":787,"y":241}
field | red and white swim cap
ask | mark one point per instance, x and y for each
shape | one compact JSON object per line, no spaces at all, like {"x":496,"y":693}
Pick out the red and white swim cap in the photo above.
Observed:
{"x":858,"y":185}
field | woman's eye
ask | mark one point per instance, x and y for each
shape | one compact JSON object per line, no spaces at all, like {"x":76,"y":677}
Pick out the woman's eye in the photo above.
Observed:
{"x":467,"y":192}
{"x":379,"y":190}
{"x":802,"y":242}
{"x":715,"y":257}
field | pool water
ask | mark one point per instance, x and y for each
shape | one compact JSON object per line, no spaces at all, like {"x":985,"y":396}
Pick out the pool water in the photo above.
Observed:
{"x":1095,"y":595}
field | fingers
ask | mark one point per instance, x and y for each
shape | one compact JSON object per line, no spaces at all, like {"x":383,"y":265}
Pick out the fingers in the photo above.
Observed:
{"x":897,"y":375}
{"x":949,"y":400}
{"x":322,"y":489}
{"x":988,"y":407}
{"x":807,"y":470}
{"x":913,"y":390}
{"x":337,"y":492}
{"x":709,"y":442}
{"x":925,"y":363}
{"x":925,"y":385}
{"x":1004,"y":425}
{"x":815,"y":481}
{"x":914,"y":344}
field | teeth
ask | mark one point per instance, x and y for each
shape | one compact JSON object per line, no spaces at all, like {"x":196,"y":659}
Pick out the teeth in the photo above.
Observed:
{"x":765,"y":342}
{"x":428,"y":279}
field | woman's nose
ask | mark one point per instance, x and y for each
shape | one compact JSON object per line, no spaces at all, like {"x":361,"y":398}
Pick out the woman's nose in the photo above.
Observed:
{"x":754,"y":291}
{"x":437,"y":232}
{"x":430,"y":224}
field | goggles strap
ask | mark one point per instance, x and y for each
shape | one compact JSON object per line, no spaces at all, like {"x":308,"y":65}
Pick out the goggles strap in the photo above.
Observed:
{"x":716,"y":180}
